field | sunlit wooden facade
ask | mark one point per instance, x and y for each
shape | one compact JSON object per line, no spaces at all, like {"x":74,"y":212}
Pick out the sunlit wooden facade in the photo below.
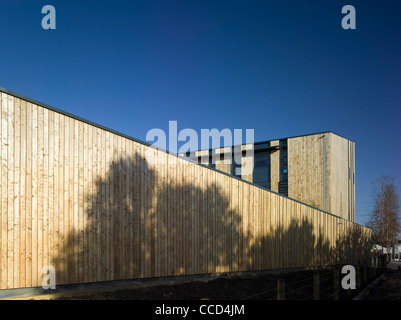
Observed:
{"x":100,"y":206}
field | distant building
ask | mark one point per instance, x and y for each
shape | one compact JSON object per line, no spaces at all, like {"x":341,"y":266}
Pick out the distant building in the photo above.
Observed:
{"x":395,"y":251}
{"x":317,"y":169}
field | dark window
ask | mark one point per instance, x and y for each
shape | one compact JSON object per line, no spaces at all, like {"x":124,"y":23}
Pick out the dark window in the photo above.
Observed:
{"x":260,"y":146}
{"x":261,"y":167}
{"x":283,"y":184}
{"x":236,"y":155}
{"x":233,"y":169}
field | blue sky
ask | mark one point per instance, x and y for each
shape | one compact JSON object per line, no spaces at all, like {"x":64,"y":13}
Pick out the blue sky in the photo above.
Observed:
{"x":282,"y":68}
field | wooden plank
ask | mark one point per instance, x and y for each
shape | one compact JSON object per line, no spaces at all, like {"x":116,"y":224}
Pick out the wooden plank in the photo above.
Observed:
{"x":52,"y":195}
{"x":215,"y":218}
{"x":10,"y":192}
{"x":191,"y":217}
{"x":283,"y":248}
{"x":259,"y":223}
{"x":157,"y":210}
{"x":246,"y":231}
{"x":152,"y":204}
{"x":163,"y":214}
{"x":74,"y":201}
{"x":34,"y":196}
{"x":40,"y":193}
{"x":86,"y":204}
{"x":90,"y":206}
{"x":22,"y":193}
{"x":16,"y":193}
{"x":80,"y":200}
{"x":179,"y":227}
{"x":28,"y":198}
{"x":4,"y":190}
{"x":97,"y":250}
{"x":130,"y":183}
{"x":67,"y":200}
{"x":144,"y":212}
{"x":275,"y":231}
{"x":184,"y":212}
{"x":301,"y":228}
{"x":200,"y":221}
{"x":211,"y":190}
{"x":263,"y":230}
{"x":297,"y":238}
{"x":115,"y":206}
{"x":285,"y":235}
{"x":290,"y":233}
{"x":188,"y":217}
{"x":195,"y":221}
{"x":205,"y":230}
{"x":220,"y":222}
{"x":142,"y":226}
{"x":183,"y":216}
{"x":137,"y":213}
{"x":125,"y":208}
{"x":59,"y":263}
{"x":229,"y":223}
{"x":236,"y":227}
{"x":266,"y":231}
{"x":107,"y":211}
{"x":256,"y":225}
{"x":45,"y":190}
{"x":119,"y":213}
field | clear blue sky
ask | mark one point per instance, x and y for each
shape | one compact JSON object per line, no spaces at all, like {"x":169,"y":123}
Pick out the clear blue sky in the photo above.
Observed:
{"x":282,"y":68}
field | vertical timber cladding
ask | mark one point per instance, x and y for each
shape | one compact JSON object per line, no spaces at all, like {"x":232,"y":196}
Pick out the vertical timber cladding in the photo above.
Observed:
{"x":305,"y":170}
{"x":321,"y":172}
{"x":99,"y":206}
{"x":340,"y":186}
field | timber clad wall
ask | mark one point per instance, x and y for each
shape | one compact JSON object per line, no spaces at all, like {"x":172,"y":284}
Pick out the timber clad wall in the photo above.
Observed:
{"x":321,"y":169}
{"x":99,"y":206}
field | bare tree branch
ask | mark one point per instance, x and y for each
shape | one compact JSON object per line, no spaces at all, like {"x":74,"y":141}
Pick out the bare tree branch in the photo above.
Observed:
{"x":385,"y":216}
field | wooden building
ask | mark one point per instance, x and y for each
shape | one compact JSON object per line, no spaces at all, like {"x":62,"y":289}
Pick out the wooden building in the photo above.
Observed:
{"x":317,"y":169}
{"x":98,"y":205}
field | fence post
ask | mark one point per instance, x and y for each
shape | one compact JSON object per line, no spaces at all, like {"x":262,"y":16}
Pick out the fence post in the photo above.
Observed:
{"x":375,"y":266}
{"x":358,"y":276}
{"x":372,"y":268}
{"x":336,"y":283}
{"x":280,"y":289}
{"x":316,"y":295}
{"x":365,"y":273}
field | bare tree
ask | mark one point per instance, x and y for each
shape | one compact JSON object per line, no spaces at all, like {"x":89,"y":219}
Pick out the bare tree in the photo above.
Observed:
{"x":385,"y":220}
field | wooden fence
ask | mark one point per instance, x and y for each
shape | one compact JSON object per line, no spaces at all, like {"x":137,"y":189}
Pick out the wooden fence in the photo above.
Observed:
{"x":99,"y":206}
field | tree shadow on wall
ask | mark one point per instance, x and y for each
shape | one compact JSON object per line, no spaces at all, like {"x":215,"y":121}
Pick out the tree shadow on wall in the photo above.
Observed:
{"x":301,"y":244}
{"x":141,"y":221}
{"x":138,"y":224}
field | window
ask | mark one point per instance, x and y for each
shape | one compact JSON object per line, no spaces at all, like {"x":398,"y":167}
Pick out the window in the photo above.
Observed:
{"x":261,"y":168}
{"x":236,"y":154}
{"x":283,"y":183}
{"x":261,"y":146}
